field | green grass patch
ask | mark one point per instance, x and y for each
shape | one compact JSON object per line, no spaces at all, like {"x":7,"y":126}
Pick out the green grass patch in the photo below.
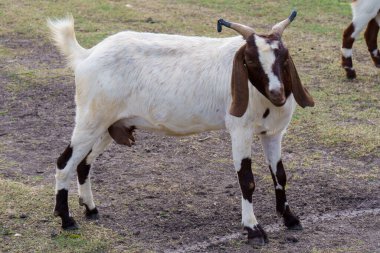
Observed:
{"x":38,"y":230}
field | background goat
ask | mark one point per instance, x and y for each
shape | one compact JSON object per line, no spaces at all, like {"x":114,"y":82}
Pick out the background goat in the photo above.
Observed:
{"x":365,"y":13}
{"x":180,"y":85}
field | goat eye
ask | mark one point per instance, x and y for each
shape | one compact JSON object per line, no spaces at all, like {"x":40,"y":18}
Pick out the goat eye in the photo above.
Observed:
{"x":252,"y":64}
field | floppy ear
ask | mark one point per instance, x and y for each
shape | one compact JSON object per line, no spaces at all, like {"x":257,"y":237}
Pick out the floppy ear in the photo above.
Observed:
{"x":239,"y":85}
{"x":300,"y":93}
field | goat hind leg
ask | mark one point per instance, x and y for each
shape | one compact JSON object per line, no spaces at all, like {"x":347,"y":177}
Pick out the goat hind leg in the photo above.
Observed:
{"x":371,"y":39}
{"x":81,"y":144}
{"x":84,"y":183}
{"x":62,"y":183}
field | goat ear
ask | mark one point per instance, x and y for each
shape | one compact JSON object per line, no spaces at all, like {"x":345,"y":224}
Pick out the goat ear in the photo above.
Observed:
{"x":300,"y":93}
{"x":239,"y":85}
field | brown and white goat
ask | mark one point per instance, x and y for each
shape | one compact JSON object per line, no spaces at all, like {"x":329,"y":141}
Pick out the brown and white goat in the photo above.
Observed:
{"x":365,"y":13}
{"x":180,"y":85}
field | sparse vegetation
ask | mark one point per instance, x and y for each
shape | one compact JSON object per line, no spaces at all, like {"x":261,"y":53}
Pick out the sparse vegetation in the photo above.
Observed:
{"x":343,"y":128}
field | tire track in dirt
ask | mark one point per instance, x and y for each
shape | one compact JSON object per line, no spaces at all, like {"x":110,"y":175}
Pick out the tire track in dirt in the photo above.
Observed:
{"x":307,"y":222}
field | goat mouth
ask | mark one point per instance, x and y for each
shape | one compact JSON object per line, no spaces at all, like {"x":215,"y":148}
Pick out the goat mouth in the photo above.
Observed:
{"x":278,"y":102}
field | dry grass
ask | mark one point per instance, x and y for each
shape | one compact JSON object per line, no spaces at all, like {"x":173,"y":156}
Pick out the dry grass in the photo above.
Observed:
{"x":345,"y":120}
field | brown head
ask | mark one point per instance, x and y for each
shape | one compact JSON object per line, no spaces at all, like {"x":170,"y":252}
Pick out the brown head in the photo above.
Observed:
{"x":266,"y":63}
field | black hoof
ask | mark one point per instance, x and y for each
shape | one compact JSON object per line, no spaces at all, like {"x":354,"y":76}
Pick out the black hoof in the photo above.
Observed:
{"x":256,"y":242}
{"x":92,"y":214}
{"x":70,"y":224}
{"x":257,"y":236}
{"x":292,"y":222}
{"x":350,"y":74}
{"x":296,"y":227}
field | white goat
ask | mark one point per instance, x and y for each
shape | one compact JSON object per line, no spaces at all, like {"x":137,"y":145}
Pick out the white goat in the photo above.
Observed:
{"x":180,"y":85}
{"x":366,"y":13}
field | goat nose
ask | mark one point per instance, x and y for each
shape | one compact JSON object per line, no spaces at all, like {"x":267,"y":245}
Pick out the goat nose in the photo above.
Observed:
{"x":275,"y":93}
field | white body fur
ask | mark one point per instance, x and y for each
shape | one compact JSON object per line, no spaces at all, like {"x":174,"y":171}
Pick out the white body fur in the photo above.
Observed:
{"x":172,"y":84}
{"x":362,"y":12}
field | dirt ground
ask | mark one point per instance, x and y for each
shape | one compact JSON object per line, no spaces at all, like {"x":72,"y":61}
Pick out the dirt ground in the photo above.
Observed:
{"x":169,"y":192}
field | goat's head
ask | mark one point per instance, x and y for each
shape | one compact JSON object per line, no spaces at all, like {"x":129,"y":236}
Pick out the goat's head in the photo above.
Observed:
{"x":266,"y":63}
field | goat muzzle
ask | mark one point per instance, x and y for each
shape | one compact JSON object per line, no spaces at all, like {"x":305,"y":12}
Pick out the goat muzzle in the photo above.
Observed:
{"x":277,"y":97}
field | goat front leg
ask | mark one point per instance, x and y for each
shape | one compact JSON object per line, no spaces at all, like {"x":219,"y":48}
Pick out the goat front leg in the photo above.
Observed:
{"x":272,"y":149}
{"x":371,"y":40}
{"x":241,"y":150}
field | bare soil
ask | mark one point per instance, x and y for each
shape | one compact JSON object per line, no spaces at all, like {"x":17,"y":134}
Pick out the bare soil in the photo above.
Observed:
{"x":167,"y":192}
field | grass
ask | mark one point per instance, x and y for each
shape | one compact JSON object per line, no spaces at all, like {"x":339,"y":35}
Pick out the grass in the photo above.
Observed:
{"x":346,"y":117}
{"x":37,"y":231}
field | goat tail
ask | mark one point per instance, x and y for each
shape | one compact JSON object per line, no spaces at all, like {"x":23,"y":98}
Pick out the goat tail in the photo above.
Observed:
{"x":64,"y":37}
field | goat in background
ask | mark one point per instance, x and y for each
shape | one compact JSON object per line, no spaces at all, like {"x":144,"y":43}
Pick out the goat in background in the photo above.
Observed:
{"x":365,"y":13}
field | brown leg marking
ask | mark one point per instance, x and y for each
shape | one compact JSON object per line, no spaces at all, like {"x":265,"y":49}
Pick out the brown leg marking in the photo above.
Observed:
{"x":290,"y":220}
{"x":83,"y":171}
{"x":62,"y":210}
{"x":64,"y":157}
{"x":347,"y":43}
{"x":257,"y":235}
{"x":371,"y":40}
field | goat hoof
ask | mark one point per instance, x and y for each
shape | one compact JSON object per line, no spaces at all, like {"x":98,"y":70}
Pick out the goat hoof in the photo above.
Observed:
{"x":256,"y":242}
{"x":92,"y":214}
{"x":350,"y":74}
{"x":293,"y":223}
{"x":257,"y":236}
{"x":70,"y":224}
{"x":296,"y":227}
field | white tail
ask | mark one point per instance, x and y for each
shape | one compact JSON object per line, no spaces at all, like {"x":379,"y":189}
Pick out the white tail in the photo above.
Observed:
{"x":64,"y":36}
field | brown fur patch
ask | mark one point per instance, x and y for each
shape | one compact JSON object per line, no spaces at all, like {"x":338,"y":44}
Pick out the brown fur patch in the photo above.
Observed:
{"x":346,"y":62}
{"x":246,"y":180}
{"x":64,"y":158}
{"x":371,"y":35}
{"x":371,"y":39}
{"x":347,"y":39}
{"x":266,"y":113}
{"x":300,"y":93}
{"x":239,"y":85}
{"x":83,"y":170}
{"x":256,"y":73}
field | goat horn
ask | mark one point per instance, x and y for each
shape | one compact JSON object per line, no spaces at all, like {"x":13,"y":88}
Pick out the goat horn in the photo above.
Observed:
{"x":245,"y":31}
{"x":280,"y":27}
